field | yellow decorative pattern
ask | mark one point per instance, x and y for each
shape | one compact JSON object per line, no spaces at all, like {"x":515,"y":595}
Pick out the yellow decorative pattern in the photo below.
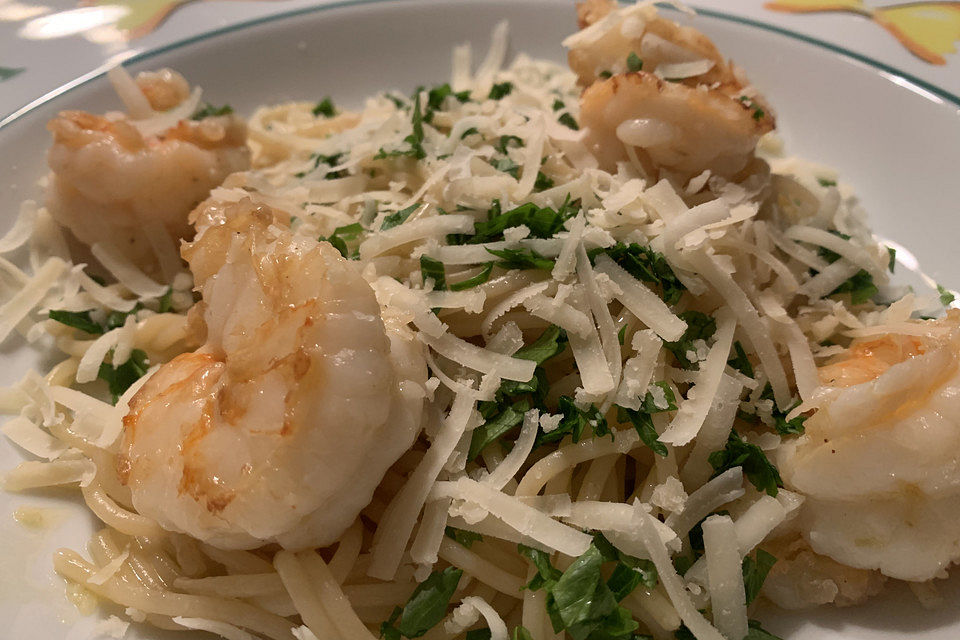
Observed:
{"x":929,"y":30}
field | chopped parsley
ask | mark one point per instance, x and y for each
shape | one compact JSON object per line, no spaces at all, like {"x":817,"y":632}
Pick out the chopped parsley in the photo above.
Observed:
{"x":165,"y":302}
{"x":543,"y":222}
{"x":758,"y":469}
{"x":740,"y":361}
{"x":474,"y":281}
{"x":436,"y":97}
{"x":414,"y":140}
{"x":860,"y":286}
{"x":825,"y":182}
{"x":574,"y":422}
{"x":946,"y":296}
{"x":120,"y":377}
{"x":398,"y":218}
{"x":605,"y":74}
{"x":500,"y":90}
{"x":755,"y":571}
{"x":565,"y":119}
{"x":496,"y":427}
{"x":206,"y":110}
{"x":432,"y":268}
{"x":325,"y":108}
{"x":521,"y":259}
{"x":340,"y":236}
{"x":643,"y":422}
{"x":646,"y":265}
{"x":426,"y":607}
{"x":78,"y":320}
{"x":329,"y":161}
{"x":892,"y":261}
{"x":465,"y":538}
{"x":506,"y":141}
{"x":700,"y":326}
{"x":634,"y":63}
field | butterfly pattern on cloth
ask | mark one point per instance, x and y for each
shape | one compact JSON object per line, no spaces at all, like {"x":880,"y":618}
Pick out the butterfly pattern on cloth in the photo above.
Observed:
{"x":929,"y":30}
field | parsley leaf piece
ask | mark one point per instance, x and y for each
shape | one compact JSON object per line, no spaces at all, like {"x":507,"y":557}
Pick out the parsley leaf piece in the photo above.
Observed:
{"x":826,"y":182}
{"x":740,"y":361}
{"x":758,"y":114}
{"x":415,"y":139}
{"x":463,"y":537}
{"x":500,"y":90}
{"x":475,"y":281}
{"x":634,"y":63}
{"x":433,"y":268}
{"x":643,"y":423}
{"x":568,"y":121}
{"x":521,"y":633}
{"x":646,"y":265}
{"x":650,"y":405}
{"x":946,"y":296}
{"x":77,"y":319}
{"x":120,"y":378}
{"x":550,"y":343}
{"x":700,"y":326}
{"x":542,"y":182}
{"x":504,"y":143}
{"x":581,"y":597}
{"x":755,"y":572}
{"x":207,"y":110}
{"x":469,"y":132}
{"x":325,"y":108}
{"x":605,"y":74}
{"x":340,"y":235}
{"x":508,"y":166}
{"x":758,"y":469}
{"x":622,"y":334}
{"x":543,"y":222}
{"x":892,"y":262}
{"x":860,"y":287}
{"x":165,"y":302}
{"x":427,"y":605}
{"x":574,"y":422}
{"x":330,"y":161}
{"x":546,"y":572}
{"x":437,"y":96}
{"x":398,"y":218}
{"x":496,"y":427}
{"x":521,"y":259}
{"x":756,"y":632}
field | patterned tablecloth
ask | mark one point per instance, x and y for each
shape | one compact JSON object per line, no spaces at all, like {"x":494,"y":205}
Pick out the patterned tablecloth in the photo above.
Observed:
{"x":47,"y":43}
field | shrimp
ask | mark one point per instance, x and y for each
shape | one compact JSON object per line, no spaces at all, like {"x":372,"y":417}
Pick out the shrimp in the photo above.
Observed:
{"x":609,"y":35}
{"x":281,"y":425}
{"x":672,"y":128}
{"x":801,"y":579}
{"x":880,"y":461}
{"x":685,"y":111}
{"x":110,"y":183}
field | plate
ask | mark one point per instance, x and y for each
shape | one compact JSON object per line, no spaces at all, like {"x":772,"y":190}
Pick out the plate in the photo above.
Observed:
{"x":895,"y":139}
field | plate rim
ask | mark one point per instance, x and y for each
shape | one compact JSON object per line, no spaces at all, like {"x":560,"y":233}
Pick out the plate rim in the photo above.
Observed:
{"x":923,"y":88}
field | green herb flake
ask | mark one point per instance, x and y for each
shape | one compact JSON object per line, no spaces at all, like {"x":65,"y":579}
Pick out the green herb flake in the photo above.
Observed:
{"x":622,"y":334}
{"x":325,"y":108}
{"x":568,"y":121}
{"x":505,"y":143}
{"x":643,"y":423}
{"x":826,"y":182}
{"x":605,"y":75}
{"x":946,"y":296}
{"x":426,"y":607}
{"x":496,"y":427}
{"x":646,"y":265}
{"x":500,"y":90}
{"x":756,"y":632}
{"x":892,"y":260}
{"x":398,"y":218}
{"x":206,"y":110}
{"x":165,"y":302}
{"x":78,"y":320}
{"x":474,"y":281}
{"x":755,"y":571}
{"x":465,"y":538}
{"x":740,"y":361}
{"x":521,"y":633}
{"x":634,"y":63}
{"x":860,"y":287}
{"x":543,"y":222}
{"x":521,"y":259}
{"x":700,"y":326}
{"x":469,"y":132}
{"x":550,"y":343}
{"x":575,"y":421}
{"x":120,"y":378}
{"x":432,"y":268}
{"x":758,"y":469}
{"x":546,"y":572}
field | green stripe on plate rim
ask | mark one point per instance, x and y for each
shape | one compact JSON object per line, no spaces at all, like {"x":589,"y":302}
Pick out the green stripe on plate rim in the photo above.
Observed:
{"x":925,"y":86}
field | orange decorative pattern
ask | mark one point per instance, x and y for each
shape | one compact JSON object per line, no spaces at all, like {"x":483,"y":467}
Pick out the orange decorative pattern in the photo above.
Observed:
{"x":929,"y":30}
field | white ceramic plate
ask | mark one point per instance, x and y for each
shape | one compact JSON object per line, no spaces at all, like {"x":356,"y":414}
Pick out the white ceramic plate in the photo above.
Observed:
{"x":896,"y":140}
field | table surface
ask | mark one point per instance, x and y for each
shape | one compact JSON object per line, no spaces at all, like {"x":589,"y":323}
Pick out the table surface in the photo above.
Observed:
{"x":46,"y":44}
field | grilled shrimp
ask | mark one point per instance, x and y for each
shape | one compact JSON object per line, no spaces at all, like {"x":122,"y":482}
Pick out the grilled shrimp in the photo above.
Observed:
{"x":281,"y":425}
{"x":880,"y":461}
{"x":609,"y":35}
{"x":112,"y":183}
{"x":671,"y":127}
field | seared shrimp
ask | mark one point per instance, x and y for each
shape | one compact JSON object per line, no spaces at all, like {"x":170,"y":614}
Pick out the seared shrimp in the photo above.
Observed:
{"x":111,"y":183}
{"x":671,"y":127}
{"x":280,"y":427}
{"x":685,"y":111}
{"x":880,"y":461}
{"x":609,"y":35}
